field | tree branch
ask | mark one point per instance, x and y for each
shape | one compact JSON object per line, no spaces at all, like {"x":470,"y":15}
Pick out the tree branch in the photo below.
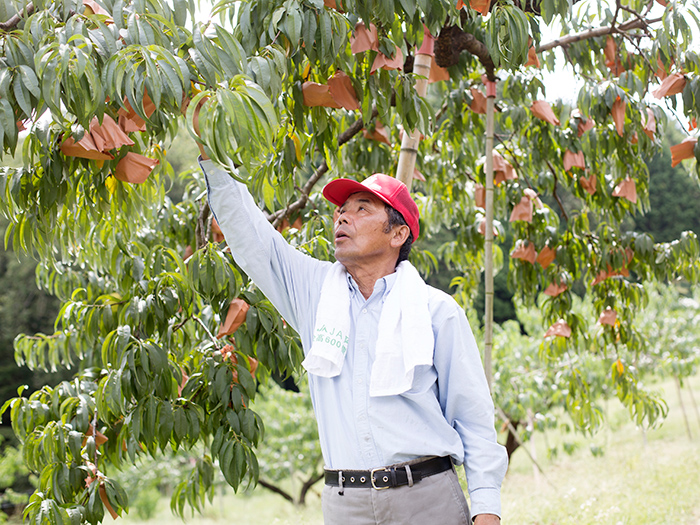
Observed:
{"x":641,"y":53}
{"x":453,"y":40}
{"x":518,"y":167}
{"x":275,"y":489}
{"x":277,"y":217}
{"x":315,"y":478}
{"x":201,"y":230}
{"x":633,"y":13}
{"x":213,"y":339}
{"x":580,"y":73}
{"x":592,"y":33}
{"x":618,"y":5}
{"x":14,"y":21}
{"x":517,"y":437}
{"x":554,"y":191}
{"x":181,"y":324}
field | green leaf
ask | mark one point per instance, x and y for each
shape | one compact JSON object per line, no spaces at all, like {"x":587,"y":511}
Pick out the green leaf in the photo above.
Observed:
{"x":268,"y":195}
{"x":21,"y":96}
{"x":29,"y":80}
{"x":293,"y":25}
{"x":325,"y":29}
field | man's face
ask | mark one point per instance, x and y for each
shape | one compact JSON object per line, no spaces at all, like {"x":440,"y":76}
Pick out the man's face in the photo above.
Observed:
{"x":360,"y":235}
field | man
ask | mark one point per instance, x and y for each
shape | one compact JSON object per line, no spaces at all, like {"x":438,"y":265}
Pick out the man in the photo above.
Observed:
{"x":394,"y":372}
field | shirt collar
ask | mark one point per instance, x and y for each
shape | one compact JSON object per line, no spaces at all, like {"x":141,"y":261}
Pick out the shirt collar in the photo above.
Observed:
{"x":383,"y":285}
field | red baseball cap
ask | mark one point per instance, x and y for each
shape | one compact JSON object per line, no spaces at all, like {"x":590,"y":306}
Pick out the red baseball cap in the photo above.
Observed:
{"x":390,"y":190}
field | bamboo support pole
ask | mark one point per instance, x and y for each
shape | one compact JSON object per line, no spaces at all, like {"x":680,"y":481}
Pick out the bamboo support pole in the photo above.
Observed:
{"x":488,"y":244}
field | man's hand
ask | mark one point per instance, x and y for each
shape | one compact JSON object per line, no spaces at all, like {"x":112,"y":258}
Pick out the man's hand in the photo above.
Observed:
{"x":487,"y":519}
{"x":195,"y":125}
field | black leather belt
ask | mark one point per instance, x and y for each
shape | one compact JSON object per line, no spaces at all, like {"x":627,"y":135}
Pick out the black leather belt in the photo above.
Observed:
{"x":388,"y":477}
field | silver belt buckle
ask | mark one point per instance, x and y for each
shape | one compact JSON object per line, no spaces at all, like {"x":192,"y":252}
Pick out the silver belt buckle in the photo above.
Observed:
{"x":385,"y":479}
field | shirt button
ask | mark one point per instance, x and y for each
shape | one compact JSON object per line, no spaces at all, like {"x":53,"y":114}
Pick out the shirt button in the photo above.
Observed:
{"x":359,"y":381}
{"x":364,"y":310}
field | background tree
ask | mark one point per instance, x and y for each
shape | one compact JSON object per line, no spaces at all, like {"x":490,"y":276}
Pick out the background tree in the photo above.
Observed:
{"x":100,"y":87}
{"x":290,"y":456}
{"x":672,"y":194}
{"x":23,"y":308}
{"x":670,"y":324}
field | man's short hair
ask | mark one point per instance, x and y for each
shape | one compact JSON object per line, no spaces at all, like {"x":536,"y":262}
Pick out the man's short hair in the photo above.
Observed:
{"x":396,"y":219}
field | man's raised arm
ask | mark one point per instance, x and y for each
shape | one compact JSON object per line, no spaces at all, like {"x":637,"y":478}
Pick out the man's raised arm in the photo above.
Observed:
{"x":287,"y":277}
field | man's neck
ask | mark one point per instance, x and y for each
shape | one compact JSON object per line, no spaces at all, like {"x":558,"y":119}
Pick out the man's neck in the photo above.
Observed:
{"x":367,"y":276}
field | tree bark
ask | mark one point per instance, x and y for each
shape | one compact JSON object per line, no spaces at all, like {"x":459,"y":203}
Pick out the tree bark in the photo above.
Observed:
{"x":14,"y":21}
{"x":512,"y":441}
{"x":452,"y":41}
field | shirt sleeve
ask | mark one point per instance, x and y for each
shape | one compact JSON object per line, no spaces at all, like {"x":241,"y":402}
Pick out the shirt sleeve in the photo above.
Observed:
{"x":289,"y":278}
{"x":467,"y":405}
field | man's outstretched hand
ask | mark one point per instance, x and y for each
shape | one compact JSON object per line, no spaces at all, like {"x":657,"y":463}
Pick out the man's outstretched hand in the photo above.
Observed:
{"x":195,"y":125}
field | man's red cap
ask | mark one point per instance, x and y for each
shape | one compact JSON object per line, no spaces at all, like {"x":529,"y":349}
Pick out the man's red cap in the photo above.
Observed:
{"x":390,"y":190}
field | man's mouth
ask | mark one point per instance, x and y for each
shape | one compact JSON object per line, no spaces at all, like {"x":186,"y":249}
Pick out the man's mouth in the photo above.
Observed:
{"x":340,"y":235}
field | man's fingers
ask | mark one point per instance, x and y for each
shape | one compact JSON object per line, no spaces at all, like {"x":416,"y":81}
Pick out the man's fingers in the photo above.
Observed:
{"x":195,"y":118}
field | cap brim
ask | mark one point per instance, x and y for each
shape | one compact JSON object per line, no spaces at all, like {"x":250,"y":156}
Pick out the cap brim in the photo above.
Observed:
{"x":337,"y":191}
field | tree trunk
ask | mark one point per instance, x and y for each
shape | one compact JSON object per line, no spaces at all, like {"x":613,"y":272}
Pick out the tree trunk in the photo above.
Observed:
{"x":512,"y":441}
{"x":307,"y":486}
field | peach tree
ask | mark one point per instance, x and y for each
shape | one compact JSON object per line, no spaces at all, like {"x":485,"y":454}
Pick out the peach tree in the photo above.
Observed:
{"x":168,"y":339}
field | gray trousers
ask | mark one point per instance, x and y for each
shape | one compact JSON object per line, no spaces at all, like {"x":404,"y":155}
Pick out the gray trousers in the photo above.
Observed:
{"x":435,"y":499}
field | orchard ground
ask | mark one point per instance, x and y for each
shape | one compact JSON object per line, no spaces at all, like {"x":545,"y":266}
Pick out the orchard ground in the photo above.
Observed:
{"x":619,"y":476}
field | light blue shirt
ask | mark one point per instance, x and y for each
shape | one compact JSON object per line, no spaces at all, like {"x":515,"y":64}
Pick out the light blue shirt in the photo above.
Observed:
{"x":447,"y":412}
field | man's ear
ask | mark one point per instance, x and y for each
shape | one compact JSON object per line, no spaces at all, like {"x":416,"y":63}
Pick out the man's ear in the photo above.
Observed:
{"x":399,"y":235}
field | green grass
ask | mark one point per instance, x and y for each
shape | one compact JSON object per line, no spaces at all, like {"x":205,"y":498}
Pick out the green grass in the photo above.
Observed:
{"x":259,"y":508}
{"x":636,"y":481}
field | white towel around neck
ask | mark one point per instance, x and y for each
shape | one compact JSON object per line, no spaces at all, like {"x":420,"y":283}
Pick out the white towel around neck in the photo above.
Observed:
{"x":404,"y":340}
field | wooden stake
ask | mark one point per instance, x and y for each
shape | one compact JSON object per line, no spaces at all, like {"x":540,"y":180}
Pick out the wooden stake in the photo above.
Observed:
{"x":411,"y":138}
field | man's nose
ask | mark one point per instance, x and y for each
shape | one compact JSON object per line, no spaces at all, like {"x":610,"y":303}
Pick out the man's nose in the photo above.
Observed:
{"x":343,"y":218}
